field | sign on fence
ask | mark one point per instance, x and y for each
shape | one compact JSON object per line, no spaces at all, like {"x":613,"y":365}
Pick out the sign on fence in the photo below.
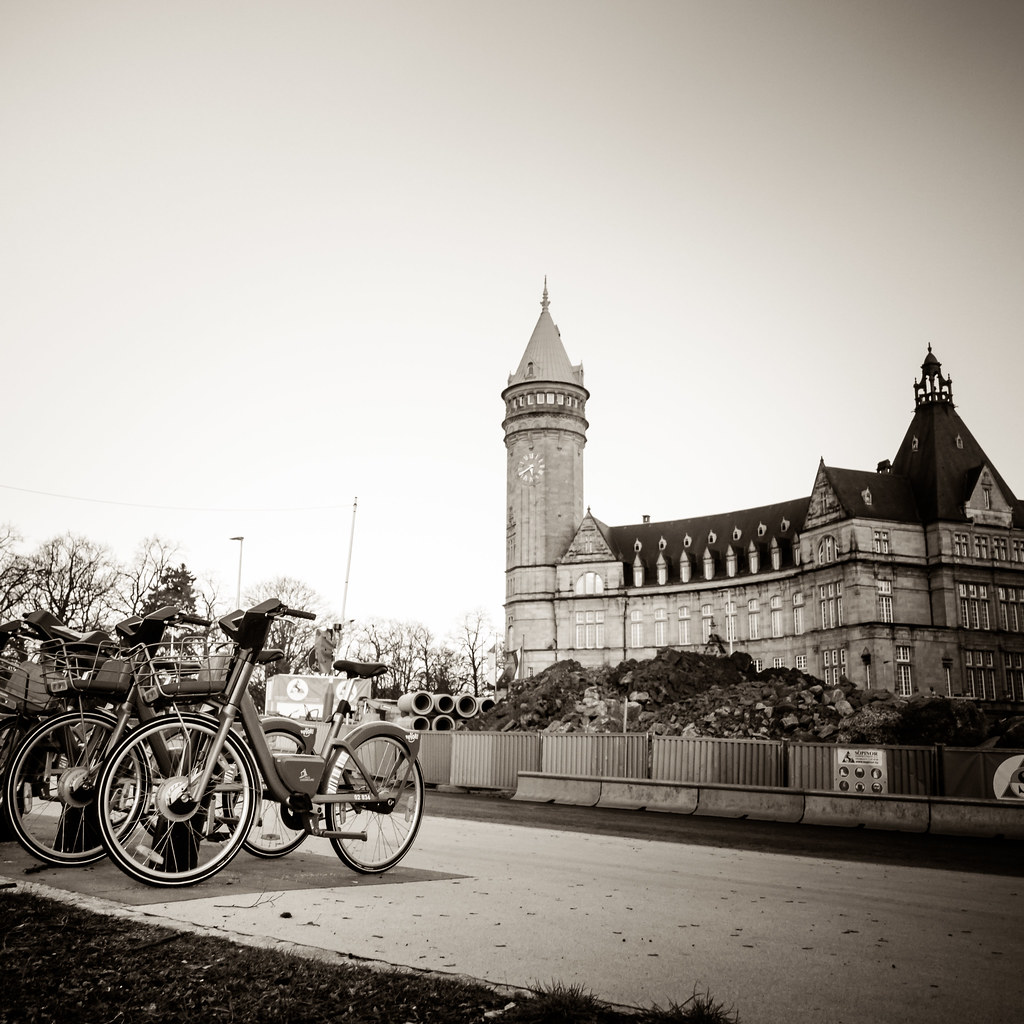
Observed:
{"x":984,"y":774}
{"x":861,"y":770}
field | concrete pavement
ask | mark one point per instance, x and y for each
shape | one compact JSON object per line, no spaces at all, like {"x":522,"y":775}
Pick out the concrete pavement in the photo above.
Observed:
{"x":782,"y":939}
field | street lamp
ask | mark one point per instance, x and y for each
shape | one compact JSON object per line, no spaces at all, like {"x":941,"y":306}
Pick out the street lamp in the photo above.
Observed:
{"x":238,"y":593}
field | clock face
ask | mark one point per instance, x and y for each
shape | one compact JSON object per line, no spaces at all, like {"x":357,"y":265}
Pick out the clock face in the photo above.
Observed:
{"x":530,"y":468}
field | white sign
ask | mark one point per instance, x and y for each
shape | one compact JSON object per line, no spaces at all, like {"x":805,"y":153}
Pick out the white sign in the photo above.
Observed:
{"x":861,"y":770}
{"x":1008,"y":779}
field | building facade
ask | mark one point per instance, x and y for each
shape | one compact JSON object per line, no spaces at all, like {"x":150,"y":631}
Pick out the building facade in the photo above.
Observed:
{"x":908,"y":578}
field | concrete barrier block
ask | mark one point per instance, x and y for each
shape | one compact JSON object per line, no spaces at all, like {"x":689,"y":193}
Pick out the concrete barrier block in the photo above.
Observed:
{"x":652,"y":796}
{"x":762,"y":804}
{"x":977,"y":818}
{"x":557,"y":789}
{"x":900,"y":813}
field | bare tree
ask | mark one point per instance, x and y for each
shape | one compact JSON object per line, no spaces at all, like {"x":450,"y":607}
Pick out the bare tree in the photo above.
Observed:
{"x":141,"y":577}
{"x":474,"y":634}
{"x":14,"y":574}
{"x":74,"y":579}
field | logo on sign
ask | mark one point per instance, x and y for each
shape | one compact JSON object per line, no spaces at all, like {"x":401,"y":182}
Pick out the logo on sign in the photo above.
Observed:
{"x":297,"y":689}
{"x":1008,"y":779}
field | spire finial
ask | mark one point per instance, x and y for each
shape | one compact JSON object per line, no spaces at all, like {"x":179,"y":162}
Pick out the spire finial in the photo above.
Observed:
{"x":544,"y":299}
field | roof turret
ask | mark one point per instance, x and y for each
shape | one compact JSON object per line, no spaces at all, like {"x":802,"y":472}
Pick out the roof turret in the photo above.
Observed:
{"x":545,"y":358}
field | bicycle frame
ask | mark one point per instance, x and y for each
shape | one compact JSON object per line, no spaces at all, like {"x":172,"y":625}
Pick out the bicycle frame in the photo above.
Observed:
{"x":238,"y":706}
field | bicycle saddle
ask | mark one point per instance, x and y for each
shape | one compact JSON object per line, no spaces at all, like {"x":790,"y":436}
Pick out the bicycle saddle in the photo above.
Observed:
{"x":363,"y":669}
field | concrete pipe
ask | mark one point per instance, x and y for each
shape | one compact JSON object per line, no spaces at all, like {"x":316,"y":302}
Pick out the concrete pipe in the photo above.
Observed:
{"x":418,"y":703}
{"x":442,"y":723}
{"x":486,"y":704}
{"x":443,"y":703}
{"x":466,"y":706}
{"x":420,"y":724}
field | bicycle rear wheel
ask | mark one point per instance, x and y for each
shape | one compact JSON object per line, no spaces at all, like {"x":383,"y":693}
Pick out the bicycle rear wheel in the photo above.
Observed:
{"x":175,"y":838}
{"x":270,"y":835}
{"x":50,"y":785}
{"x":388,"y":785}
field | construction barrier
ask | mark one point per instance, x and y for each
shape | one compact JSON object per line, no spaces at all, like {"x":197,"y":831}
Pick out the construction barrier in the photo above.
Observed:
{"x":724,"y":801}
{"x":629,"y":794}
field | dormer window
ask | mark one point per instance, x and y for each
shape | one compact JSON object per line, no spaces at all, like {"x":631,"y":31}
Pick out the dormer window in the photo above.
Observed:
{"x":959,"y":441}
{"x":709,"y":564}
{"x":730,"y":562}
{"x":529,"y":369}
{"x":687,"y":541}
{"x":762,"y":529}
{"x":685,"y":569}
{"x":776,"y":554}
{"x":662,"y":571}
{"x":638,"y":571}
{"x":866,"y":495}
{"x":753,"y":557}
{"x":736,"y":533}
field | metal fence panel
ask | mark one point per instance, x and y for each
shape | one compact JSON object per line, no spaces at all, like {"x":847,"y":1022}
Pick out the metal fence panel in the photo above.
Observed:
{"x":607,"y":755}
{"x":740,"y":762}
{"x":911,"y":770}
{"x":436,"y":757}
{"x":493,"y":760}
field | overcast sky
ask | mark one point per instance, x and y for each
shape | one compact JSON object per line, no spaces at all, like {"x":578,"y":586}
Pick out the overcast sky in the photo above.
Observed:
{"x":260,"y":259}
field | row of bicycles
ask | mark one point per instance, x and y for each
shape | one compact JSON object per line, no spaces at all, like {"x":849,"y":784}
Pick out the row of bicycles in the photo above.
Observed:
{"x":145,"y":746}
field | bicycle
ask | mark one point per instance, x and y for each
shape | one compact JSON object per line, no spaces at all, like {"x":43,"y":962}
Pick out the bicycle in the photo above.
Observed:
{"x":50,"y":784}
{"x":275,"y":832}
{"x":178,"y":796}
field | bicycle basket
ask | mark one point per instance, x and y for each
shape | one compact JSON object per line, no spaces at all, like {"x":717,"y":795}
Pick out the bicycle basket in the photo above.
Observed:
{"x":177,"y":679}
{"x":31,"y":686}
{"x":111,"y":676}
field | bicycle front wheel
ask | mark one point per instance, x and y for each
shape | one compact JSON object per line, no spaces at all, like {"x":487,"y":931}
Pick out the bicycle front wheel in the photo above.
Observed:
{"x":50,"y":786}
{"x":171,"y":835}
{"x":13,"y":729}
{"x":271,"y":835}
{"x":386,"y":784}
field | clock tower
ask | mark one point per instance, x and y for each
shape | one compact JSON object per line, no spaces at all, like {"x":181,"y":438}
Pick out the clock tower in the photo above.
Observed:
{"x":545,"y":432}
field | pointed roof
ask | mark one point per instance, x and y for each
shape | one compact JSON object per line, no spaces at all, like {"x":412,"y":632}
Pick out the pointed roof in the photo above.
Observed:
{"x":545,"y":358}
{"x":939,"y":455}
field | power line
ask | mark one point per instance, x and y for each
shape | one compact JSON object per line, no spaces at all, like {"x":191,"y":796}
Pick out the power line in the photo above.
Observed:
{"x":166,"y":508}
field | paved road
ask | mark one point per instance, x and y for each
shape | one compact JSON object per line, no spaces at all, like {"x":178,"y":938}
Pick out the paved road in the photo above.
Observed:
{"x":876,"y":927}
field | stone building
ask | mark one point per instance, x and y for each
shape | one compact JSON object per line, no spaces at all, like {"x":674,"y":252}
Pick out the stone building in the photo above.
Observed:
{"x":908,"y":578}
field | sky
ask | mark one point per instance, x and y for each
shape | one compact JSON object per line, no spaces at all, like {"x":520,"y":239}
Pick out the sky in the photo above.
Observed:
{"x":266,"y":266}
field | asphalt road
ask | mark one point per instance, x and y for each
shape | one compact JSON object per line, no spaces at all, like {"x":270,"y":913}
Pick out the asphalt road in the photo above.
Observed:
{"x":951,"y":853}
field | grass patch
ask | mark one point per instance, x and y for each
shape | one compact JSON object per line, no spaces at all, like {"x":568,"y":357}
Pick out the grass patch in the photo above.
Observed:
{"x":62,"y":962}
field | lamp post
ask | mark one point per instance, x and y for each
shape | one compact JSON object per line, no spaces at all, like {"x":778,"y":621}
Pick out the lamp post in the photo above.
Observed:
{"x":238,"y":592}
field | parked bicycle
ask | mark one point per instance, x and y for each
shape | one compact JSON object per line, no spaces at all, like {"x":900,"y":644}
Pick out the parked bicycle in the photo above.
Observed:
{"x":178,"y":797}
{"x":50,"y":783}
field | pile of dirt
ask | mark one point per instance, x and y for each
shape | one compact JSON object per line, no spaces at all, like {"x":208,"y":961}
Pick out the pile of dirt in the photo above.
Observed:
{"x":678,"y":693}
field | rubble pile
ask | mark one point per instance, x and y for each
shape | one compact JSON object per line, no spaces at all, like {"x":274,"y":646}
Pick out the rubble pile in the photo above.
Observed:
{"x":678,"y":693}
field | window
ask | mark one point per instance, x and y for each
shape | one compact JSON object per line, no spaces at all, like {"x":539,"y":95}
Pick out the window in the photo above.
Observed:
{"x":980,"y":546}
{"x":961,"y":545}
{"x":684,"y":568}
{"x":1017,"y":550}
{"x":707,"y":623}
{"x":827,"y":550}
{"x":885,"y":600}
{"x":636,"y":629}
{"x":979,"y":675}
{"x":759,"y":664}
{"x":973,"y":606}
{"x":881,"y":540}
{"x":904,"y":683}
{"x":660,"y":618}
{"x":776,"y":554}
{"x":754,"y":557}
{"x":801,"y":662}
{"x":662,"y":570}
{"x":638,"y":572}
{"x":1000,"y":549}
{"x":1014,"y":665}
{"x":778,"y":662}
{"x":776,"y":615}
{"x":590,"y":629}
{"x":830,"y":597}
{"x":1009,"y":608}
{"x":730,"y":621}
{"x":590,"y":583}
{"x":798,"y":614}
{"x":753,"y":619}
{"x":709,"y":564}
{"x":684,"y":625}
{"x":730,"y":562}
{"x":834,"y":662}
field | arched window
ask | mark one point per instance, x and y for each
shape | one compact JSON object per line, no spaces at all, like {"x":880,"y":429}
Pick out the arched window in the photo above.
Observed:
{"x":776,"y":613}
{"x":589,"y":583}
{"x":707,"y":622}
{"x":753,"y":619}
{"x":660,"y":620}
{"x":826,"y":550}
{"x":684,"y":624}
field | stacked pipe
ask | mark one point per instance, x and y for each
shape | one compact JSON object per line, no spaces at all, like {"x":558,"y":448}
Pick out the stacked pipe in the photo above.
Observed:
{"x":438,"y":712}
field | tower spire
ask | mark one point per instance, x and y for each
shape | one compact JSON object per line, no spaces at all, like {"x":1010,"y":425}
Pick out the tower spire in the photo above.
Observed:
{"x":544,"y":298}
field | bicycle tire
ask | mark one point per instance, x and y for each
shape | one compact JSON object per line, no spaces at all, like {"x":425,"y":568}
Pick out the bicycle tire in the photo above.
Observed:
{"x":391,"y":832}
{"x":270,"y":837}
{"x":50,"y":787}
{"x":173,"y":843}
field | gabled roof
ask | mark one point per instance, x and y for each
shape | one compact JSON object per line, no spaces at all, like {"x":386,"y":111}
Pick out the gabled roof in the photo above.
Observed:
{"x":860,"y":494}
{"x":545,"y":358}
